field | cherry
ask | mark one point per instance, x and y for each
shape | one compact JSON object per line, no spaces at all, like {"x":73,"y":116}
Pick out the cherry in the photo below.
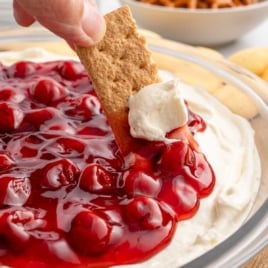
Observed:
{"x":69,"y":146}
{"x":14,"y":191}
{"x":59,"y":173}
{"x":175,"y":156}
{"x":11,"y":117}
{"x":72,"y":70}
{"x":47,"y":91}
{"x":5,"y":162}
{"x":94,"y":178}
{"x":139,"y":183}
{"x":180,"y":196}
{"x":143,"y":213}
{"x":22,"y":69}
{"x":179,"y":158}
{"x":200,"y":174}
{"x":90,"y":233}
{"x":15,"y":236}
{"x":9,"y":94}
{"x":6,"y":94}
{"x":82,"y":107}
{"x":28,"y":152}
{"x":17,"y":225}
{"x":39,"y":117}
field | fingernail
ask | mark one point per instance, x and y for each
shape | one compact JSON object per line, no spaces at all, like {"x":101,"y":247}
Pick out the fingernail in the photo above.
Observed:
{"x":93,"y":23}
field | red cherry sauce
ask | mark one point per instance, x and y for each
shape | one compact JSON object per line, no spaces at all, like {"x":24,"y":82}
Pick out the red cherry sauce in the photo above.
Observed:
{"x":67,"y":196}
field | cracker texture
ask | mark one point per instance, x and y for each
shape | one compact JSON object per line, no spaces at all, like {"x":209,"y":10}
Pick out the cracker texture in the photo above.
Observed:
{"x":119,"y":65}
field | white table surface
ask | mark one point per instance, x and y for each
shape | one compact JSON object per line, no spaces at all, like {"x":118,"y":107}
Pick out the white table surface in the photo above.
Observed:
{"x":256,"y":38}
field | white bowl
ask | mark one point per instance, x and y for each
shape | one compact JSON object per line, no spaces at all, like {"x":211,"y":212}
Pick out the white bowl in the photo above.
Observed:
{"x":205,"y":27}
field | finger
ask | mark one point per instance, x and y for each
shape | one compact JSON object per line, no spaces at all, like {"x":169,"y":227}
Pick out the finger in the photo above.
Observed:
{"x":21,"y":16}
{"x":77,"y":21}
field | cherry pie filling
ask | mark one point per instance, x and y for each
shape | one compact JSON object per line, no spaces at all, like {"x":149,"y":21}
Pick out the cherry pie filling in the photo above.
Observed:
{"x":67,"y":196}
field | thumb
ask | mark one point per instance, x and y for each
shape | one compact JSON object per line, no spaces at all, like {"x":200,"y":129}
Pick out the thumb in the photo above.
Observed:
{"x":77,"y":21}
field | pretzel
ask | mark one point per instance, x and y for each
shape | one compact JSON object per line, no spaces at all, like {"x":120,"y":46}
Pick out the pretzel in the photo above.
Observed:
{"x":200,"y":3}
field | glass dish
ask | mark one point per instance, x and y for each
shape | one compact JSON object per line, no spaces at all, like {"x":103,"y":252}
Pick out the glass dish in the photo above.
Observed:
{"x":194,"y":66}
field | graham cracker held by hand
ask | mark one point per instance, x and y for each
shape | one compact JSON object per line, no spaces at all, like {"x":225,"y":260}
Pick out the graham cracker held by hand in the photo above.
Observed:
{"x":119,"y":65}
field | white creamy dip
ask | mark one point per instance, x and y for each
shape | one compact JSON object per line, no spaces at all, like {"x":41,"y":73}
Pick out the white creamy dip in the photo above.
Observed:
{"x":156,"y":110}
{"x":228,"y":143}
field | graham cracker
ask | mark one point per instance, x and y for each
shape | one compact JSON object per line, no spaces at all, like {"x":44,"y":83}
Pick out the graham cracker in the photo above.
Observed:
{"x":119,"y":65}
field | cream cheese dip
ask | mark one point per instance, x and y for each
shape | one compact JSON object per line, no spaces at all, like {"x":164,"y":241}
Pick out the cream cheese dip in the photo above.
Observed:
{"x":228,"y":143}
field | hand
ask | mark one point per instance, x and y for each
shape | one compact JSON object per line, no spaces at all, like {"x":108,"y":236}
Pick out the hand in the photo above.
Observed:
{"x":77,"y":21}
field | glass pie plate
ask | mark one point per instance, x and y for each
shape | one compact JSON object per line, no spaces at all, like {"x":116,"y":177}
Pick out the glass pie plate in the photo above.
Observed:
{"x":207,"y":69}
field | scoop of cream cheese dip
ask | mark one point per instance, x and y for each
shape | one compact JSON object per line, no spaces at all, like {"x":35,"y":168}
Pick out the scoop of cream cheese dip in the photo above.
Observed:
{"x":156,"y":110}
{"x":228,"y":143}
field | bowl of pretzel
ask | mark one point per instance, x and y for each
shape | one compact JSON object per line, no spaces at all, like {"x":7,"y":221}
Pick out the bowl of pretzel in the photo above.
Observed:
{"x":199,"y":22}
